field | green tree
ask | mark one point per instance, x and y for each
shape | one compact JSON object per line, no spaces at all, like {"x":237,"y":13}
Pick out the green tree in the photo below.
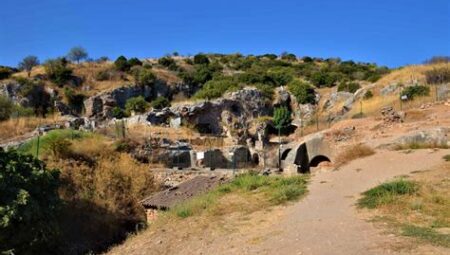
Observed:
{"x":136,"y":104}
{"x":29,"y":205}
{"x":77,"y":54}
{"x":6,"y":108}
{"x":281,"y":117}
{"x":303,"y":92}
{"x":28,"y":63}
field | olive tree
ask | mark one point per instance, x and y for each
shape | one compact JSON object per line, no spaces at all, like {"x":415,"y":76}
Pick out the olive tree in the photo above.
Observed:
{"x":28,"y":63}
{"x":77,"y":54}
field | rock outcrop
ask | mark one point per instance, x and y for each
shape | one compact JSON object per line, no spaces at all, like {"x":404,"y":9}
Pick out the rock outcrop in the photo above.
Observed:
{"x":101,"y":105}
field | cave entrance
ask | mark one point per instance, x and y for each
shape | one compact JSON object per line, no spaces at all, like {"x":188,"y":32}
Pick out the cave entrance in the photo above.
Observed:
{"x":318,"y":159}
{"x":302,"y":159}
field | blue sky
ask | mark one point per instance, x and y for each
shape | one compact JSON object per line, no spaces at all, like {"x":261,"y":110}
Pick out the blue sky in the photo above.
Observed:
{"x":388,"y":32}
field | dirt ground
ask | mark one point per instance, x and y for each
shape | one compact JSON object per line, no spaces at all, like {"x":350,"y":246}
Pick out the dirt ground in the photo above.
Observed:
{"x":325,"y":222}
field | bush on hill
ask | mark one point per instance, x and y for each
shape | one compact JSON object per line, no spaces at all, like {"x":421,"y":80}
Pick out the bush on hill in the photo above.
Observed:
{"x":201,"y":59}
{"x":217,"y":87}
{"x":302,"y":91}
{"x":160,"y":103}
{"x":136,"y":104}
{"x":58,"y":71}
{"x":351,"y":87}
{"x":415,"y":91}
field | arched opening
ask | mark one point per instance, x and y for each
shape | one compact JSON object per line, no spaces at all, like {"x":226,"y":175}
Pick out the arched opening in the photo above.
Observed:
{"x":302,"y":159}
{"x":318,"y":159}
{"x":255,"y":159}
{"x":285,"y":154}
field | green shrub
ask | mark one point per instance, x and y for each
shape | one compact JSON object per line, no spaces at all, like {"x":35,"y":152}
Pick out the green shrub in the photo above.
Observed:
{"x":267,"y":90}
{"x":136,"y":104}
{"x":20,"y":111}
{"x":302,"y":91}
{"x":160,"y":103}
{"x":368,"y":95}
{"x":324,"y":79}
{"x":143,"y":77}
{"x":387,"y":193}
{"x":6,"y":108}
{"x":217,"y":87}
{"x":281,"y":76}
{"x":168,"y":62}
{"x":57,"y":71}
{"x":29,"y":205}
{"x":351,"y":87}
{"x":5,"y":72}
{"x":134,"y":62}
{"x":122,"y":64}
{"x":201,"y":59}
{"x":103,"y":75}
{"x":288,"y":56}
{"x":118,"y":113}
{"x":415,"y":91}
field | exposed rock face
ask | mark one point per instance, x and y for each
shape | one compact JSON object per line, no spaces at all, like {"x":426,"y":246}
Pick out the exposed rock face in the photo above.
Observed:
{"x":228,"y":116}
{"x":432,"y":137}
{"x":100,"y":106}
{"x":10,"y":90}
{"x":337,"y":97}
{"x":282,"y":97}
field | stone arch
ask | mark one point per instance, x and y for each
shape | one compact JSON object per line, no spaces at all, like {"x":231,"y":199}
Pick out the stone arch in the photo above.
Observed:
{"x":315,"y":161}
{"x":285,"y":154}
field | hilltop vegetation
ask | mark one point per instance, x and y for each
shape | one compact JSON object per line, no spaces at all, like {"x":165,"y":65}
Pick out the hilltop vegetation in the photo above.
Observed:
{"x":204,"y":76}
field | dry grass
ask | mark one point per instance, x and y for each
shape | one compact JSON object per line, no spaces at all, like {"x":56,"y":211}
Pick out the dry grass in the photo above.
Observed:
{"x":20,"y":126}
{"x":408,"y":74}
{"x":353,"y":152}
{"x":423,"y":214}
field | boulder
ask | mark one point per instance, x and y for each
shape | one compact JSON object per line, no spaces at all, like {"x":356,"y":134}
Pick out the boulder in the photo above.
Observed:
{"x":432,"y":137}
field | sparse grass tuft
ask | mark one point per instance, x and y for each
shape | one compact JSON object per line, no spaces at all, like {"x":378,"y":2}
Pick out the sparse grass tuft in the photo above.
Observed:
{"x":386,"y":193}
{"x":418,"y":209}
{"x":353,"y":152}
{"x":426,"y":234}
{"x":418,"y":146}
{"x":256,"y":190}
{"x":447,"y":157}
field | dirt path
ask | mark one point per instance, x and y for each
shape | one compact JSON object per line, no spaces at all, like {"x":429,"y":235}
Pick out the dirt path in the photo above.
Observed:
{"x":326,"y":221}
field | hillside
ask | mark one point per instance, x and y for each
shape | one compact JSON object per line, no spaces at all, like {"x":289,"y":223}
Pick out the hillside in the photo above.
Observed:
{"x":287,"y":143}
